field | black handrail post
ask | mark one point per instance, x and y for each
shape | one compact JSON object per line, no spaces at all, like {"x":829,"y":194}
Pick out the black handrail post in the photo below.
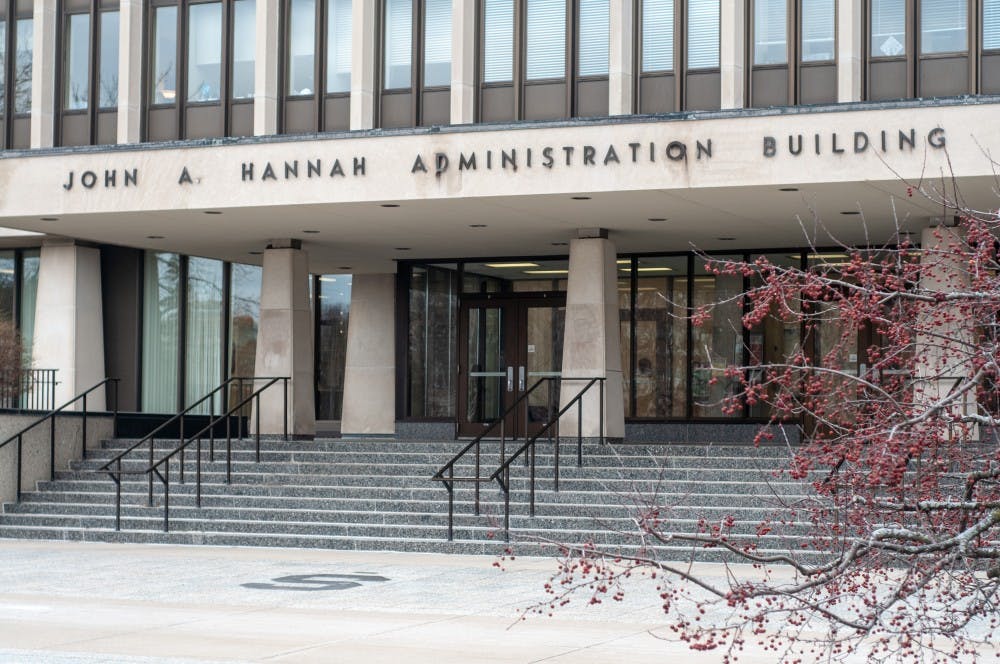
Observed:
{"x":211,"y":432}
{"x":284,"y":382}
{"x":532,"y":489}
{"x":19,"y":440}
{"x":257,"y":428}
{"x":556,"y":455}
{"x":83,"y":452}
{"x":118,"y":497}
{"x":579,"y":428}
{"x":53,"y":391}
{"x":166,"y":496}
{"x":600,"y":411}
{"x":239,"y":417}
{"x":450,"y":485}
{"x":229,"y":450}
{"x":52,"y":448}
{"x":506,"y":505}
{"x":114,"y":417}
{"x":197,"y":491}
{"x":182,"y":439}
{"x":151,"y":443}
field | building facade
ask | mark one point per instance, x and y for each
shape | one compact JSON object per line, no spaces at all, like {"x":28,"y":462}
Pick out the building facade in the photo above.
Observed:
{"x":416,"y":209}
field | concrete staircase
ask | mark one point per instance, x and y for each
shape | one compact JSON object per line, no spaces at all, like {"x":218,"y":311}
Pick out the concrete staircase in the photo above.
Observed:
{"x":378,"y":495}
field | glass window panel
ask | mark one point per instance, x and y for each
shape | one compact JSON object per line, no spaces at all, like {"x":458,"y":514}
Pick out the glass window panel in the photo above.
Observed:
{"x":160,"y":329}
{"x":774,"y":340}
{"x":30,"y":260}
{"x":7,"y":286}
{"x":991,"y":24}
{"x":3,"y":68}
{"x":76,"y":72}
{"x":302,"y":48}
{"x":244,"y":321}
{"x":203,"y":332}
{"x":660,"y":373}
{"x":818,"y":30}
{"x":164,"y":88}
{"x":595,"y":33}
{"x":107,"y":75}
{"x":546,"y":51}
{"x":204,"y":52}
{"x":498,"y":45}
{"x":433,"y":324}
{"x":657,"y":35}
{"x":888,"y":21}
{"x":703,"y":34}
{"x":25,"y":38}
{"x":770,"y":30}
{"x":334,"y":311}
{"x":718,"y":343}
{"x":244,"y":48}
{"x":437,"y":43}
{"x":944,"y":26}
{"x":338,"y":46}
{"x":398,"y":43}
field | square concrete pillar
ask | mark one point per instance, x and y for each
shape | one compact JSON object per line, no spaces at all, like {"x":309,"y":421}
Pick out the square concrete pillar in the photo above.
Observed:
{"x":130,"y":59}
{"x":370,"y":371}
{"x":69,"y":320}
{"x":364,"y":38}
{"x":267,"y":68}
{"x":850,"y":50}
{"x":43,"y":74}
{"x":285,"y":342}
{"x":621,"y":71}
{"x":463,"y":62}
{"x":733,"y":53}
{"x":591,"y":341}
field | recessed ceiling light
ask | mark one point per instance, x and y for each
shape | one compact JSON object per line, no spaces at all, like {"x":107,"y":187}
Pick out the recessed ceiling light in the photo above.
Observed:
{"x":560,"y":244}
{"x":390,"y":205}
{"x":546,"y":271}
{"x":510,"y":265}
{"x":850,"y":212}
{"x":50,"y":218}
{"x":402,"y":248}
{"x":657,"y":219}
{"x":344,"y":267}
{"x":725,"y":238}
{"x":581,"y":198}
{"x":255,"y":253}
{"x":154,"y":237}
{"x":312,"y":232}
{"x":477,"y":225}
{"x":212,"y":212}
{"x":789,"y":189}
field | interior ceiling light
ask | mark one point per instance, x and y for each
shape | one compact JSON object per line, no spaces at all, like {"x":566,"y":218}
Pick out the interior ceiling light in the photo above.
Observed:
{"x":154,"y":237}
{"x":50,"y":218}
{"x":655,"y":269}
{"x":212,"y":212}
{"x":850,"y":212}
{"x":725,"y":238}
{"x":510,"y":265}
{"x":560,"y":244}
{"x":546,"y":271}
{"x":826,"y":257}
{"x":581,"y":198}
{"x":344,"y":267}
{"x":624,"y":261}
{"x":477,"y":225}
{"x":402,"y":249}
{"x":657,"y":218}
{"x":311,"y":232}
{"x":329,"y":280}
{"x":255,"y":253}
{"x":789,"y":189}
{"x":390,"y":205}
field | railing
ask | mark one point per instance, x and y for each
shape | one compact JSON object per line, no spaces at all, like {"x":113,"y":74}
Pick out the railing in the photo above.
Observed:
{"x":161,"y":468}
{"x":28,"y":389}
{"x":446,"y":474}
{"x":51,"y":418}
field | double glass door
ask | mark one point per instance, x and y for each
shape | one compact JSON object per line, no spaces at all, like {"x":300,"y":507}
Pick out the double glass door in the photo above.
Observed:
{"x":507,"y":344}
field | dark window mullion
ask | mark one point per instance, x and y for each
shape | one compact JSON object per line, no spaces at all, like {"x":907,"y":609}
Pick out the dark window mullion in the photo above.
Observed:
{"x":226,"y":79}
{"x":319,"y":64}
{"x":182,"y":88}
{"x":416,"y":61}
{"x":572,"y":33}
{"x":95,"y":84}
{"x":227,"y":312}
{"x":182,"y":289}
{"x":520,"y":48}
{"x":688,"y":364}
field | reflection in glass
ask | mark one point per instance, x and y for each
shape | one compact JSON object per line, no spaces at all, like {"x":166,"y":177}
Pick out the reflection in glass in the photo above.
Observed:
{"x":160,"y":329}
{"x":107,"y":72}
{"x":302,"y":48}
{"x":7,"y":286}
{"x":244,"y":47}
{"x":437,"y":43}
{"x":657,"y":35}
{"x":703,"y":34}
{"x":625,"y":331}
{"x":164,"y":85}
{"x":888,"y":26}
{"x":203,"y":331}
{"x":24,"y":48}
{"x":204,"y":61}
{"x":545,"y":332}
{"x":775,"y":340}
{"x":3,"y":68}
{"x":338,"y":46}
{"x":818,"y":30}
{"x":30,"y":259}
{"x":398,"y":43}
{"x":718,"y":343}
{"x":76,"y":91}
{"x":944,"y":26}
{"x":431,"y":342}
{"x":770,"y":27}
{"x":486,"y":365}
{"x":334,"y":313}
{"x":595,"y":35}
{"x":546,"y":51}
{"x":244,"y":319}
{"x":498,"y":41}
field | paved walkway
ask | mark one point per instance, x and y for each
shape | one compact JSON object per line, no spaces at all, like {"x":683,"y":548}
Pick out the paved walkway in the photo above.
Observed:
{"x":78,"y":603}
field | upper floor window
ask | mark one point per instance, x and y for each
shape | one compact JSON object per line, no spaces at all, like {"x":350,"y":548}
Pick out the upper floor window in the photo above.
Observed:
{"x":244,"y":48}
{"x":338,"y":46}
{"x":164,"y":74}
{"x":770,"y":30}
{"x":991,"y":25}
{"x":657,"y":35}
{"x":595,"y":35}
{"x":546,"y":39}
{"x":888,"y":28}
{"x":703,"y":34}
{"x":398,"y":49}
{"x":107,"y":68}
{"x":437,"y":43}
{"x":301,"y":74}
{"x":24,"y":40}
{"x":498,"y":41}
{"x":944,"y":26}
{"x":204,"y":66}
{"x":819,"y":30}
{"x":76,"y":93}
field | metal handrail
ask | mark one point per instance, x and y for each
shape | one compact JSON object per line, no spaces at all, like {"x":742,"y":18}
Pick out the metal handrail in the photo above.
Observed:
{"x":179,"y":418}
{"x":196,"y":438}
{"x":504,"y":470}
{"x":32,"y":389}
{"x":449,"y":467}
{"x":51,"y":418}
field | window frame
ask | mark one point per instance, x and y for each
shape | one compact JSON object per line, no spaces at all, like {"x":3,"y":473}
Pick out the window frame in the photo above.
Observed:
{"x":15,"y":128}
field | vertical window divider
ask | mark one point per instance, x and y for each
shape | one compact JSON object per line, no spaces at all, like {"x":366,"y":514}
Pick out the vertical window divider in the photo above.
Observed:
{"x":912,"y":46}
{"x":520,"y":49}
{"x":633,"y":353}
{"x":18,"y":295}
{"x":572,"y":56}
{"x":94,"y":85}
{"x":319,"y":64}
{"x":745,"y":300}
{"x":793,"y":52}
{"x":182,"y":300}
{"x":417,"y":61}
{"x":975,"y":44}
{"x":317,"y":317}
{"x":689,"y":342}
{"x":182,"y":88}
{"x":225,"y":85}
{"x":680,"y":62}
{"x":227,"y":318}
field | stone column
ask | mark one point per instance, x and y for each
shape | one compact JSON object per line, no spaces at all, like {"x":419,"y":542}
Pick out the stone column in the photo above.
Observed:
{"x":130,"y":51}
{"x":591,"y":342}
{"x":69,"y":320}
{"x":850,"y":50}
{"x":370,"y":372}
{"x":267,"y":94}
{"x":43,"y":74}
{"x":363,"y":61}
{"x":285,"y":340}
{"x":621,"y":72}
{"x":463,"y":62}
{"x":733,"y":53}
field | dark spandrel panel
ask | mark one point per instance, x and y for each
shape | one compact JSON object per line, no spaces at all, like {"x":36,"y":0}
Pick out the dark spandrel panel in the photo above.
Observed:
{"x":769,"y":87}
{"x":204,"y":121}
{"x":657,"y":94}
{"x":397,"y":110}
{"x":944,"y":77}
{"x":887,"y":80}
{"x":592,"y":98}
{"x":300,"y":116}
{"x":991,"y":74}
{"x":338,"y":113}
{"x":241,"y":120}
{"x":703,"y":91}
{"x":496,"y":104}
{"x":75,"y":129}
{"x":545,"y":101}
{"x":818,"y":84}
{"x":436,"y":108}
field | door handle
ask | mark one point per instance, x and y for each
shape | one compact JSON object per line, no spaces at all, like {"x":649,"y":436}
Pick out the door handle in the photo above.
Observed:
{"x":520,"y":379}
{"x":510,"y":379}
